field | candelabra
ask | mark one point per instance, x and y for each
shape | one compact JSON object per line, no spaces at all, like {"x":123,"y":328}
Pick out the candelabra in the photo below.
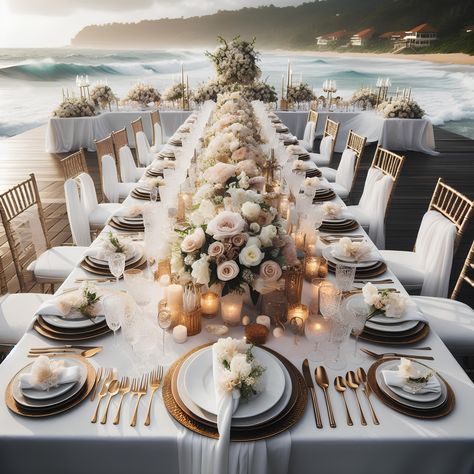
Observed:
{"x":329,"y":87}
{"x":382,"y":85}
{"x":83,"y":83}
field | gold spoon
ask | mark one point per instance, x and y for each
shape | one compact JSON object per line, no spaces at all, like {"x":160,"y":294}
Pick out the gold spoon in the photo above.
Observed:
{"x":361,"y":378}
{"x":113,"y":390}
{"x":352,"y":383}
{"x":322,"y":380}
{"x":87,"y":353}
{"x":340,"y":386}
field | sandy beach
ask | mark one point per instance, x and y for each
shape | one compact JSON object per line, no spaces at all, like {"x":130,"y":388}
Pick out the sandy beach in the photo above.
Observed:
{"x":442,"y":58}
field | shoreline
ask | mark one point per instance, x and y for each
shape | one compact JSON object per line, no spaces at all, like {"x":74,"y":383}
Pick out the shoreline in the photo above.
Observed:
{"x":460,"y":59}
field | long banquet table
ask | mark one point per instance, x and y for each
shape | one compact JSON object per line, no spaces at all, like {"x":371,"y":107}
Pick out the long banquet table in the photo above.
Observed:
{"x":393,"y":134}
{"x":70,"y":443}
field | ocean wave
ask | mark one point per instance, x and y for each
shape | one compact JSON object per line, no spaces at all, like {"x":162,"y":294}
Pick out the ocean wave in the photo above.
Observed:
{"x":10,"y":129}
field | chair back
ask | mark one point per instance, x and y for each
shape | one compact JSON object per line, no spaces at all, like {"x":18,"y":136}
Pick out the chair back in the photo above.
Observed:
{"x":3,"y":279}
{"x":313,"y":117}
{"x":104,"y":147}
{"x":157,"y":128}
{"x":110,"y":179}
{"x":120,"y":138}
{"x":356,"y":143}
{"x":453,"y":205}
{"x":74,"y":164}
{"x":88,"y":194}
{"x":467,"y":273}
{"x":326,"y":148}
{"x":137,"y":126}
{"x":128,"y":168}
{"x":13,"y":203}
{"x":145,"y":156}
{"x":309,"y":133}
{"x":331,"y":128}
{"x":76,"y":213}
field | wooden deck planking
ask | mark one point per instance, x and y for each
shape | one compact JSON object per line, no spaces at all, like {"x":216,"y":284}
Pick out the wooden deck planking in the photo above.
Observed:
{"x":24,"y":153}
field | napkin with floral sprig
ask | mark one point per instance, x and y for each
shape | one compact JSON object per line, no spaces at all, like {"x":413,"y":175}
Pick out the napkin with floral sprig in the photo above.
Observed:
{"x":359,"y":251}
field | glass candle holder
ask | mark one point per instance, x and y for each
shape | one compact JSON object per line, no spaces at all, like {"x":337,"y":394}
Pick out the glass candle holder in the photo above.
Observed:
{"x":298,"y":311}
{"x":209,"y":304}
{"x":231,"y":308}
{"x":294,"y":284}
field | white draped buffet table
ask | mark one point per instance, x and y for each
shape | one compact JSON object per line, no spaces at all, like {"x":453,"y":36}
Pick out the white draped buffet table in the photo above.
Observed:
{"x":69,"y":443}
{"x":393,"y":134}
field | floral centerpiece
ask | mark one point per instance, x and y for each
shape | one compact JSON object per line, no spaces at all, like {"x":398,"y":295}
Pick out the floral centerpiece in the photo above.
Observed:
{"x":72,"y":107}
{"x":259,"y":90}
{"x":211,"y":90}
{"x":390,"y":304}
{"x":143,"y":94}
{"x":242,"y":371}
{"x":365,"y":98}
{"x":102,"y":95}
{"x":174,"y":92}
{"x":401,"y":108}
{"x":300,"y":93}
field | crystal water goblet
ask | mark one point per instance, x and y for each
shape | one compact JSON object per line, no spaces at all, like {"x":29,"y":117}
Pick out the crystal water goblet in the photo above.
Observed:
{"x":339,"y":333}
{"x":117,"y":266}
{"x":359,"y":313}
{"x":114,"y":310}
{"x":345,"y":275}
{"x":316,"y":330}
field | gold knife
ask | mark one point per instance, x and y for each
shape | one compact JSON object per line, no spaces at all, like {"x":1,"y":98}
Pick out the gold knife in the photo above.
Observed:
{"x":309,"y":383}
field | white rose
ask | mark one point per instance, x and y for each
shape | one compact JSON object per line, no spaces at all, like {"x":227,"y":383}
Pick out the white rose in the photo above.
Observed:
{"x":267,"y":234}
{"x":371,"y":294}
{"x":254,"y":241}
{"x":251,"y":210}
{"x":395,"y":305}
{"x":228,"y":270}
{"x":240,"y":367}
{"x":193,"y":241}
{"x":251,"y":256}
{"x":226,"y":224}
{"x":201,"y":272}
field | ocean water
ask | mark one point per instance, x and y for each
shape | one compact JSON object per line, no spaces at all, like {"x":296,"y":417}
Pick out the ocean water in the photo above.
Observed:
{"x":31,"y":80}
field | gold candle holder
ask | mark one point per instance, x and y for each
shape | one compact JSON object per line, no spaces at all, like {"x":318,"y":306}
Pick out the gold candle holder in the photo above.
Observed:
{"x":164,"y":268}
{"x":298,"y":312}
{"x":192,"y":321}
{"x":294,"y":284}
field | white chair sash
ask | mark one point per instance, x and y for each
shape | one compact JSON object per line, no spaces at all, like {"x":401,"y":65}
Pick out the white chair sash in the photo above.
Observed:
{"x":145,"y":156}
{"x":309,"y":133}
{"x":110,"y":181}
{"x":129,"y":172}
{"x":345,"y":170}
{"x":77,"y":216}
{"x":88,"y":193}
{"x":435,"y":248}
{"x":325,"y":148}
{"x":158,"y":135}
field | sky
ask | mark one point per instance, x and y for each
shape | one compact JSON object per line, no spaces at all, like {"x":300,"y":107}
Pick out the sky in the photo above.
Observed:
{"x":52,"y":23}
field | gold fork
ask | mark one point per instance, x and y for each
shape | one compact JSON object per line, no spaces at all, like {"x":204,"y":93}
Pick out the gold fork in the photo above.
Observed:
{"x":102,"y":394}
{"x":141,"y":390}
{"x":123,"y":390}
{"x":97,"y":381}
{"x":155,"y":382}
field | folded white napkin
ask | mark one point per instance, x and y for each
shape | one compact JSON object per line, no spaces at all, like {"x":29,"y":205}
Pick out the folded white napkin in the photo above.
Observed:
{"x":47,"y":373}
{"x":227,"y":403}
{"x":361,"y":251}
{"x":393,"y":379}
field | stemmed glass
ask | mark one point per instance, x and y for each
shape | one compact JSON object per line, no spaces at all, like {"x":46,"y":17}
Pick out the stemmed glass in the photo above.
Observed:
{"x":360,"y":313}
{"x":316,"y":330}
{"x":154,"y":194}
{"x":114,"y":310}
{"x":164,"y":321}
{"x":117,"y":266}
{"x":345,"y":275}
{"x":329,"y":304}
{"x":339,"y":333}
{"x":138,"y":286}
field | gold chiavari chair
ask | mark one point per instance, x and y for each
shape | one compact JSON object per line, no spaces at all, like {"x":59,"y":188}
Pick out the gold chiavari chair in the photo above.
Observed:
{"x":466,"y":275}
{"x":104,"y":147}
{"x":74,"y":164}
{"x":137,"y":126}
{"x":313,"y":117}
{"x":453,"y":205}
{"x":356,"y":143}
{"x":120,"y":139}
{"x":55,"y":263}
{"x":331,"y":129}
{"x":156,"y":120}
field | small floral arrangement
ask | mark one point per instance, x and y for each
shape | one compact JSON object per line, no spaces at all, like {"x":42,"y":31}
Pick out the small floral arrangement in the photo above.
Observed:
{"x":346,"y":248}
{"x":391,"y":304}
{"x":211,"y":90}
{"x":75,"y":107}
{"x":364,"y":98}
{"x":414,"y":374}
{"x":401,"y":108}
{"x":310,"y":185}
{"x":260,"y":90}
{"x":242,"y":371}
{"x":102,"y":95}
{"x":112,"y":243}
{"x":301,"y":165}
{"x":143,"y":94}
{"x":84,"y":301}
{"x":156,"y":182}
{"x":332,"y":210}
{"x":236,"y":61}
{"x":174,"y":92}
{"x":300,"y":93}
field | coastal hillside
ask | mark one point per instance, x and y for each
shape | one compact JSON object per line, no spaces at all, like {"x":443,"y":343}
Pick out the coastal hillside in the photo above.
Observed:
{"x":294,"y":27}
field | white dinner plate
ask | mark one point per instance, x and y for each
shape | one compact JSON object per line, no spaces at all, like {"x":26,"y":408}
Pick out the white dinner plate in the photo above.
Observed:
{"x":199,"y":383}
{"x":137,"y":255}
{"x":47,"y":401}
{"x":237,"y":422}
{"x":78,"y":322}
{"x":424,"y":401}
{"x":328,"y":255}
{"x":401,"y":326}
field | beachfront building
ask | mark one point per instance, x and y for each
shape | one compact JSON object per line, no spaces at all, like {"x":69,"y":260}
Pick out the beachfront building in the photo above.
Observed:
{"x":394,"y":36}
{"x":421,"y":36}
{"x":362,"y":37}
{"x":331,"y":38}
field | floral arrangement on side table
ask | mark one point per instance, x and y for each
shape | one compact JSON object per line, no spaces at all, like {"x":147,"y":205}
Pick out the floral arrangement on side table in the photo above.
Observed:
{"x":174,"y":92}
{"x":72,"y":107}
{"x":364,"y":98}
{"x":401,"y":108}
{"x":102,"y":95}
{"x":143,"y":94}
{"x":300,"y":93}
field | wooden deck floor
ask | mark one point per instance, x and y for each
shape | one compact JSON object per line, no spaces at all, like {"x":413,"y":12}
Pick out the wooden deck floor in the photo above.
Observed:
{"x":24,"y":154}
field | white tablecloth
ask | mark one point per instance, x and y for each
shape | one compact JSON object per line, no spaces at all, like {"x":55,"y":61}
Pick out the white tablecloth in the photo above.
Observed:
{"x":70,"y":443}
{"x":394,"y":134}
{"x":70,"y":134}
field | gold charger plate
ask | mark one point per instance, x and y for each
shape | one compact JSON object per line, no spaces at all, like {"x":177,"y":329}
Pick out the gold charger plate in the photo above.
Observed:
{"x":91,"y":268}
{"x":69,"y":337}
{"x":313,"y":173}
{"x":126,"y":227}
{"x":326,"y":196}
{"x":337,"y":228}
{"x":56,"y":409}
{"x":379,"y":269}
{"x":249,"y":434}
{"x":439,"y":412}
{"x":74,"y":331}
{"x":394,"y":341}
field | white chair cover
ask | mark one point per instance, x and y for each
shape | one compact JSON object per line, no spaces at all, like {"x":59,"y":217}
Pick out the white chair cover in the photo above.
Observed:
{"x":308,"y":135}
{"x":435,"y":247}
{"x":109,"y":179}
{"x":88,"y":193}
{"x":129,"y":172}
{"x":325,"y":148}
{"x":145,"y":155}
{"x":159,"y":139}
{"x":77,"y":216}
{"x":345,"y":170}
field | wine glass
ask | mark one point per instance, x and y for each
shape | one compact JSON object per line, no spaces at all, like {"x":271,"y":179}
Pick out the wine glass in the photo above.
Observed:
{"x":329,"y":300}
{"x":138,"y":286}
{"x":154,"y":194}
{"x":339,"y":333}
{"x":316,"y":330}
{"x":164,"y":321}
{"x":345,"y":275}
{"x":359,"y":312}
{"x":117,"y":266}
{"x":114,"y":310}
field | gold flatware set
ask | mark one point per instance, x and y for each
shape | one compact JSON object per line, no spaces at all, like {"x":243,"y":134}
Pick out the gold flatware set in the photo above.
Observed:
{"x":108,"y":385}
{"x":84,"y":351}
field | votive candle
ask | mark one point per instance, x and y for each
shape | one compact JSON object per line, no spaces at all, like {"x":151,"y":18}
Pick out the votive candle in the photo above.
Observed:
{"x":298,"y":311}
{"x":311,"y":267}
{"x":209,"y":304}
{"x":180,"y":334}
{"x":231,"y":308}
